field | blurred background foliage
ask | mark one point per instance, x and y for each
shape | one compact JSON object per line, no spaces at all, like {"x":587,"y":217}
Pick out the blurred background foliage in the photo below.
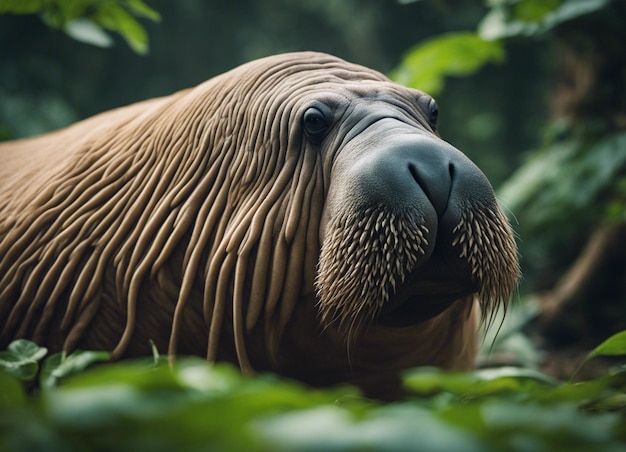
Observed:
{"x":532,"y":90}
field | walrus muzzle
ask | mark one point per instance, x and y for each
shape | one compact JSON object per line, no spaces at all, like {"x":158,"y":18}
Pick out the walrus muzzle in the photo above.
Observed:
{"x":298,"y":214}
{"x":419,"y":209}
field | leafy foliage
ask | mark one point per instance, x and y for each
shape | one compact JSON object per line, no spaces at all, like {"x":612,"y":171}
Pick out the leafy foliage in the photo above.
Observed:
{"x":60,"y":366}
{"x":615,"y":345}
{"x":425,"y":66}
{"x":567,"y":181}
{"x":508,"y":18}
{"x":88,"y":20}
{"x":21,"y":359}
{"x":193,"y":405}
{"x":576,"y":179}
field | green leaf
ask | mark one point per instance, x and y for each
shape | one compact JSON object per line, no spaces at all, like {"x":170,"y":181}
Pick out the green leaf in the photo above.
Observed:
{"x":534,"y":10}
{"x":393,"y":427}
{"x":156,"y":357}
{"x":431,"y":380}
{"x":85,"y":30}
{"x":533,"y":17}
{"x":479,"y":383}
{"x":615,"y":345}
{"x":60,"y":366}
{"x":561,"y":427}
{"x":140,"y":9}
{"x":83,"y":20}
{"x":566,"y":180}
{"x":11,"y":391}
{"x":26,"y":349}
{"x":20,"y":6}
{"x":21,"y":359}
{"x":142,"y":374}
{"x":426,"y":65}
{"x":113,"y":17}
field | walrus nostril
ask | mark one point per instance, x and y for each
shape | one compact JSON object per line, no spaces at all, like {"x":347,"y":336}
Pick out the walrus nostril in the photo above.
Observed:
{"x":435,"y":186}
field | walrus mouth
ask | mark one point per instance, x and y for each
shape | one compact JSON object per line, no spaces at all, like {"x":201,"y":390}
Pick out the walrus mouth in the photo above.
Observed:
{"x":361,"y":281}
{"x":421,"y":301}
{"x":431,"y":287}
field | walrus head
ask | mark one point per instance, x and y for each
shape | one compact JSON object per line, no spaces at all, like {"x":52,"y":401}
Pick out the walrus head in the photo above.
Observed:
{"x":410,"y":224}
{"x":277,"y":215}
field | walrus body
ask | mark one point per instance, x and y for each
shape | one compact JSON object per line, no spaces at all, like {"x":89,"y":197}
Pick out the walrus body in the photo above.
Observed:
{"x":298,"y":214}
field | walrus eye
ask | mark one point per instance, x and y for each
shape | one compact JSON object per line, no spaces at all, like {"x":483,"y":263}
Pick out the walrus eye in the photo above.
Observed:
{"x":434,"y":114}
{"x":315,"y":122}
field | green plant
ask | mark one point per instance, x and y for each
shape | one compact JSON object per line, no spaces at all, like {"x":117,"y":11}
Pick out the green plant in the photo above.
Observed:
{"x":192,"y":405}
{"x":89,"y":20}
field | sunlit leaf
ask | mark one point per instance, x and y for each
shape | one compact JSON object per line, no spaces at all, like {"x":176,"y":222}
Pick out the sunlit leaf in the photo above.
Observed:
{"x":114,"y":17}
{"x":139,"y":8}
{"x":533,"y":17}
{"x":517,"y":373}
{"x":60,"y":366}
{"x":479,"y":383}
{"x":430,"y":380}
{"x":425,"y":66}
{"x":156,"y":356}
{"x":400,"y":427}
{"x":84,"y":20}
{"x":199,"y":375}
{"x":87,"y":31}
{"x":21,"y":359}
{"x":615,"y":345}
{"x":26,"y":349}
{"x":141,"y":374}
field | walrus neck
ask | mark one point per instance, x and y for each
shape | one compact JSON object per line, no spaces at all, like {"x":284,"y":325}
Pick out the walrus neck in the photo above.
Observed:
{"x":321,"y":357}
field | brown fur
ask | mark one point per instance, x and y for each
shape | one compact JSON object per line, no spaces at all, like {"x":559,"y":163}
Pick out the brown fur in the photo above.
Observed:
{"x":196,"y":221}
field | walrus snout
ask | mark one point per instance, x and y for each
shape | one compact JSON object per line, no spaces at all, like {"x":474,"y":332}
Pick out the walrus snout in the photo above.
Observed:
{"x":428,"y":223}
{"x":433,"y":167}
{"x":413,"y":172}
{"x":434,"y":183}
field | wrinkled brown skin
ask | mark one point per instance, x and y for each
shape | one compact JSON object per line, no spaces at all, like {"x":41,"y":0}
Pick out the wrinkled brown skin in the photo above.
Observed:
{"x":197,"y":221}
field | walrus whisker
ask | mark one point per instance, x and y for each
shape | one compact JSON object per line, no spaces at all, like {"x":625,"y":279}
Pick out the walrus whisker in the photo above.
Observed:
{"x":359,"y":297}
{"x":496,"y":290}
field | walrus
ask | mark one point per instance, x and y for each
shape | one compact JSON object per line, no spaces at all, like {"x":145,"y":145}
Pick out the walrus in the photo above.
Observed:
{"x":298,"y":214}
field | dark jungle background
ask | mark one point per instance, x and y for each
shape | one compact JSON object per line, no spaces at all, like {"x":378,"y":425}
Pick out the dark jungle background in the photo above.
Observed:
{"x":534,"y":91}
